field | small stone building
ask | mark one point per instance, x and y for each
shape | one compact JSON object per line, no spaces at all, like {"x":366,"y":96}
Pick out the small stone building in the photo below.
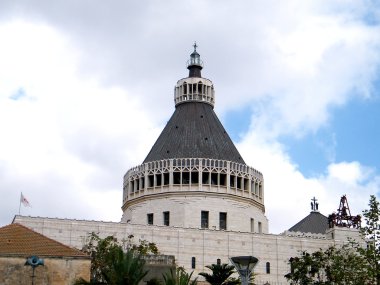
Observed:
{"x":62,"y":264}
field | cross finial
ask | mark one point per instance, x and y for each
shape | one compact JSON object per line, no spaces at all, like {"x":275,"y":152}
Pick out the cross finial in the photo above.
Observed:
{"x":314,"y":204}
{"x":195,"y":46}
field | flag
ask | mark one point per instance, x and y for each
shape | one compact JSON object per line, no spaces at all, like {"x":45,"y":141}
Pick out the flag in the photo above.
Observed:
{"x":24,"y":201}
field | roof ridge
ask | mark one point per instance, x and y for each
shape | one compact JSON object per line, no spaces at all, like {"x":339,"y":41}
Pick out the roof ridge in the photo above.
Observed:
{"x":72,"y":252}
{"x":57,"y":218}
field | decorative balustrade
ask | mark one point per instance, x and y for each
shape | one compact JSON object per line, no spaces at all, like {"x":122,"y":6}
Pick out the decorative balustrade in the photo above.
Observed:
{"x":194,"y":89}
{"x":193,"y":174}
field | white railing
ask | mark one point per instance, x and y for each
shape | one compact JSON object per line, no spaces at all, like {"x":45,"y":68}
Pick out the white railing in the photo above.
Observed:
{"x":193,"y":174}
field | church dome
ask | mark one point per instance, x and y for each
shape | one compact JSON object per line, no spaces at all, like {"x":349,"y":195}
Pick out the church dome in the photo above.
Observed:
{"x":194,"y":176}
{"x":194,"y":129}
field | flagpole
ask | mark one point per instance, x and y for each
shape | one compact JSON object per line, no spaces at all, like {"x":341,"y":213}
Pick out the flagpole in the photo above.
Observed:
{"x":19,"y":207}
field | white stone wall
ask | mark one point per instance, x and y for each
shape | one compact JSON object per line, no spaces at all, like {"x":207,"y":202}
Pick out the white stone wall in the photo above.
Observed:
{"x":184,"y":243}
{"x":185,"y":211}
{"x":186,"y":186}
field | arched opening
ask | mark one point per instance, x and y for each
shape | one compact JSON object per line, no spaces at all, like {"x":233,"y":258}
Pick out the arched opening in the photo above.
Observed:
{"x":206,"y":178}
{"x":158,"y":180}
{"x":214,"y":178}
{"x":232,"y":181}
{"x":166,"y":178}
{"x":185,"y":177}
{"x":194,"y":177}
{"x":150,"y":180}
{"x":176,"y":178}
{"x":238,"y":180}
{"x":222,"y":179}
{"x":142,"y":183}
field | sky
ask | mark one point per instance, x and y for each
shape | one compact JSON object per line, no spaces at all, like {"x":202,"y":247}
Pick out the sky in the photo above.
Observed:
{"x":87,"y":86}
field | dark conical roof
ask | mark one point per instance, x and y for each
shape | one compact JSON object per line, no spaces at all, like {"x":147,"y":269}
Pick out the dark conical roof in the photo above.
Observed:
{"x":315,"y":223}
{"x":194,"y":131}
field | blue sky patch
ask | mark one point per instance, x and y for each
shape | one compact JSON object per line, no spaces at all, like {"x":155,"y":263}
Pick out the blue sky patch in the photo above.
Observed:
{"x":312,"y":153}
{"x":236,"y":122}
{"x":352,"y":135}
{"x":358,"y":134}
{"x":20,"y":93}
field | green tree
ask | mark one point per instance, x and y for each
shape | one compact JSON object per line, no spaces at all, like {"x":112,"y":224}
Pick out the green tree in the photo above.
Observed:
{"x":116,"y":263}
{"x":351,"y":264}
{"x":331,"y":266}
{"x":345,"y":265}
{"x":179,"y":277}
{"x":143,"y":247}
{"x":120,"y":268}
{"x":102,"y":251}
{"x":124,"y":268}
{"x":371,"y":233}
{"x":305,"y":268}
{"x":220,"y":274}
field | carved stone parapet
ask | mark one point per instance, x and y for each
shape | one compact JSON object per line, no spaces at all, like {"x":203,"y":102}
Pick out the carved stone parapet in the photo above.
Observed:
{"x":194,"y":89}
{"x":193,"y":174}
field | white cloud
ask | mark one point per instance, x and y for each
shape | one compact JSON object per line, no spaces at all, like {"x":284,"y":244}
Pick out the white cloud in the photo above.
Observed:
{"x":288,"y":192}
{"x":319,"y":65}
{"x":347,"y":173}
{"x":66,"y":141}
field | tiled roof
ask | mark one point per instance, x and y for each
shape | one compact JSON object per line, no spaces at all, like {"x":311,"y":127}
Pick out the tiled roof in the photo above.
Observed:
{"x":18,"y":240}
{"x":194,"y":131}
{"x":315,"y":223}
